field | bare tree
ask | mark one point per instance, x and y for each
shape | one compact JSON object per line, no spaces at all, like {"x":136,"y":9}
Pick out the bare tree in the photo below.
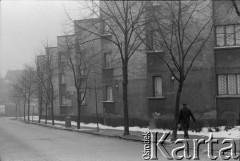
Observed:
{"x":29,"y":76}
{"x":19,"y":87}
{"x":122,"y":23}
{"x":43,"y":91}
{"x":97,"y":85}
{"x":25,"y":87}
{"x":235,"y":6}
{"x":16,"y":99}
{"x":47,"y":70}
{"x":178,"y":32}
{"x":79,"y":56}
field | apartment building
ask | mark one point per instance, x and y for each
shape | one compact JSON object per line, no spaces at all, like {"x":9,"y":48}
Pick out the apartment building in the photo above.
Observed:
{"x":112,"y":76}
{"x":79,"y":66}
{"x":211,"y":87}
{"x":48,"y":91}
{"x":226,"y":56}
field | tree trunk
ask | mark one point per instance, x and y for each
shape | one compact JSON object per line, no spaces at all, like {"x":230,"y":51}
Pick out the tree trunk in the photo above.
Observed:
{"x":52,"y":111}
{"x":16,"y":112}
{"x":96,"y":99}
{"x":46,"y":106}
{"x":125,"y":97}
{"x":24,"y":110}
{"x":28,"y":109}
{"x":52,"y":97}
{"x":176,"y":112}
{"x":40,"y":112}
{"x":79,"y":109}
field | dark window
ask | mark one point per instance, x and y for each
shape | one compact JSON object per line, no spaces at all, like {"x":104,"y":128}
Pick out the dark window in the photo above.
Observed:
{"x":107,"y":28}
{"x":108,"y":60}
{"x":155,"y":40}
{"x":63,"y":100}
{"x":62,"y":78}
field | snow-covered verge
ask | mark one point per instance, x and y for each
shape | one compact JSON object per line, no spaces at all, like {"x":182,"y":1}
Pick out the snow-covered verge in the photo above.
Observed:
{"x":233,"y":133}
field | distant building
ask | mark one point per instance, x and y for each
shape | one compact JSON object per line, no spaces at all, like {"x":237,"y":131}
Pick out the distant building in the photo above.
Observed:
{"x":13,"y":75}
{"x":7,"y":91}
{"x":74,"y":60}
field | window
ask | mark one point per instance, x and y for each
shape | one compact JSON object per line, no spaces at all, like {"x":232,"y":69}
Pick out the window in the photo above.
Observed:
{"x":154,"y":3}
{"x":157,"y":86}
{"x":222,"y":84}
{"x":108,"y":59}
{"x":229,"y":84}
{"x":106,"y":28}
{"x":155,"y":38}
{"x":62,"y":58}
{"x":63,"y":99}
{"x":83,"y":100}
{"x":228,"y":35}
{"x":109,"y":96}
{"x":220,"y":35}
{"x":237,"y":31}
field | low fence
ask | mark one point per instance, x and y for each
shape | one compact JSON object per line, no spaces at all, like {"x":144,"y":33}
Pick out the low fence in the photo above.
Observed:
{"x":158,"y":123}
{"x":110,"y":121}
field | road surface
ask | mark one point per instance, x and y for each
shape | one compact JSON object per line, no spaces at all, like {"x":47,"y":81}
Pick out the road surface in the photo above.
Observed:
{"x":26,"y":142}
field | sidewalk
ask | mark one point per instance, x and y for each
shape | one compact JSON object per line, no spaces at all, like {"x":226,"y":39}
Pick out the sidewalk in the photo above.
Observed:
{"x":135,"y":135}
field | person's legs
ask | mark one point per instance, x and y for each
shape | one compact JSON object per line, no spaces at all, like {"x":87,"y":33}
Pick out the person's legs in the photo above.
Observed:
{"x":186,"y":136}
{"x":185,"y":133}
{"x":185,"y":130}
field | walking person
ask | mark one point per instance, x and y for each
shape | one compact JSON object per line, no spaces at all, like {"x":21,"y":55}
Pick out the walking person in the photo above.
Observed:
{"x":184,"y":119}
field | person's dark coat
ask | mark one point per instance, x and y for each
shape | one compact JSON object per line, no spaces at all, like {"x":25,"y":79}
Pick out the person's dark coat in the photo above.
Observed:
{"x":184,"y":116}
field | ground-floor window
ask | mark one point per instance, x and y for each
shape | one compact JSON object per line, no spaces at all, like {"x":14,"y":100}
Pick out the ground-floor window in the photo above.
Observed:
{"x":157,"y":86}
{"x":63,"y":100}
{"x":229,"y":84}
{"x":109,"y":95}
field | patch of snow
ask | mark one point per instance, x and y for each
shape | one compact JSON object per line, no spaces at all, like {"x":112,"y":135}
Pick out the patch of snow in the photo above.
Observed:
{"x":233,"y":133}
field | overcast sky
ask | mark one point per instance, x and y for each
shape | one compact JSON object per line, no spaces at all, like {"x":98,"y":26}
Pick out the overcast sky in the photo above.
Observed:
{"x":26,"y":24}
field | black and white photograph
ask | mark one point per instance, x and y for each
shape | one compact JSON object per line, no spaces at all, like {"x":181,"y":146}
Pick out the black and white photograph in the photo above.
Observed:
{"x":119,"y":80}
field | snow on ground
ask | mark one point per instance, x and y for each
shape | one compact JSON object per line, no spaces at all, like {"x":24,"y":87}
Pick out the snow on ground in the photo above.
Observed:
{"x":233,"y":133}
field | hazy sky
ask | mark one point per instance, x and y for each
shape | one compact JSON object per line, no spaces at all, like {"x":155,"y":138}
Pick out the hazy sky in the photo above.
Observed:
{"x":26,"y":24}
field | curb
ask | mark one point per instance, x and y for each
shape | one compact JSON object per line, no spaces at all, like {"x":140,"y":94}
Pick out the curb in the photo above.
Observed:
{"x":82,"y":131}
{"x":167,"y":143}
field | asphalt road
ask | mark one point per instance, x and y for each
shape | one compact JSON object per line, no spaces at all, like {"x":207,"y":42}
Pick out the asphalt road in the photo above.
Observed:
{"x":26,"y":142}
